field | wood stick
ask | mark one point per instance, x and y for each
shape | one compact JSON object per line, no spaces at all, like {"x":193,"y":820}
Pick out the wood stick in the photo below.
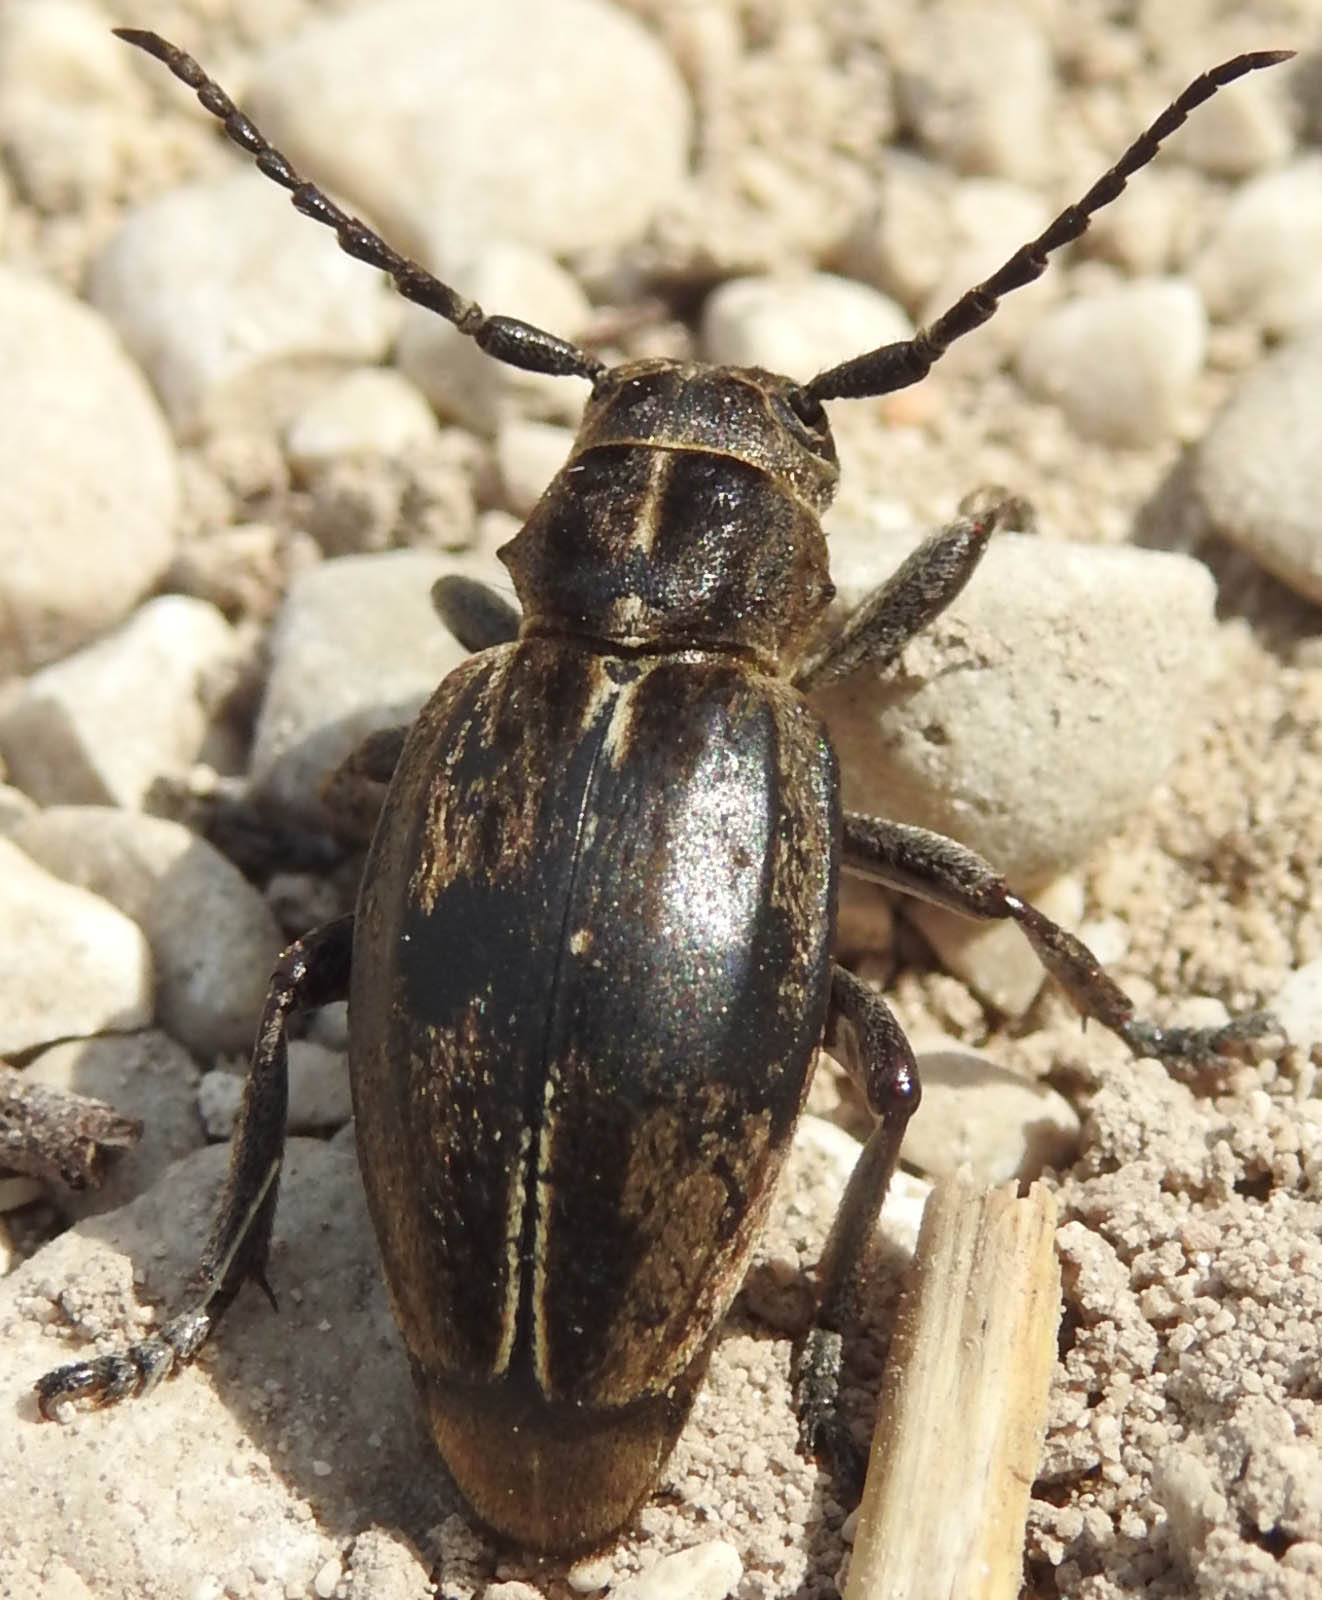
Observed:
{"x":56,"y":1134}
{"x":964,"y":1402}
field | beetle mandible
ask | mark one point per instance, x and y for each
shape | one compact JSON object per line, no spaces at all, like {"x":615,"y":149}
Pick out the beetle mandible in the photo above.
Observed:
{"x":591,"y":960}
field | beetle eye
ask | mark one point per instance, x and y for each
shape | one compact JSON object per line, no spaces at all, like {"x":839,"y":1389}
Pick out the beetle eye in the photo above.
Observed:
{"x":806,"y":407}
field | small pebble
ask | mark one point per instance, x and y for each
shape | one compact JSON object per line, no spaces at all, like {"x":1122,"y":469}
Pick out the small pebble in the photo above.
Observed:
{"x":1236,"y":135}
{"x":1183,"y":1484}
{"x":219,"y":1095}
{"x":904,"y":240}
{"x":1120,"y":364}
{"x":99,"y":727}
{"x":1297,"y":1005}
{"x":15,"y":807}
{"x":1258,"y":470}
{"x":17,"y":1192}
{"x":356,"y":647}
{"x":994,"y":958}
{"x":211,"y":282}
{"x":1141,"y":236}
{"x":702,"y":1572}
{"x":88,"y":486}
{"x":422,"y":137}
{"x":70,"y":103}
{"x":1262,"y":262}
{"x":327,"y":1579}
{"x":987,"y":220}
{"x":529,"y":454}
{"x":319,"y":1097}
{"x":1036,"y":715}
{"x":214,"y":943}
{"x":975,"y":85}
{"x":74,"y":965}
{"x":459,"y":378}
{"x":902,"y":1213}
{"x":590,"y":1573}
{"x":975,"y":1111}
{"x":371,"y":411}
{"x":797,"y":325}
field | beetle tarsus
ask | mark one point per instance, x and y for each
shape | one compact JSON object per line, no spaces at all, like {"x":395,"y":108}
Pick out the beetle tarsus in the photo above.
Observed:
{"x":1243,"y":1038}
{"x":822,"y":1431}
{"x":104,"y":1381}
{"x":312,"y":972}
{"x":931,"y":867}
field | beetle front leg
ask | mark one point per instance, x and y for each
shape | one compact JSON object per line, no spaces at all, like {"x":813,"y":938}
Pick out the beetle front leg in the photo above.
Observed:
{"x":918,"y":591}
{"x":312,"y":972}
{"x":863,"y":1034}
{"x":931,"y":867}
{"x":474,"y":613}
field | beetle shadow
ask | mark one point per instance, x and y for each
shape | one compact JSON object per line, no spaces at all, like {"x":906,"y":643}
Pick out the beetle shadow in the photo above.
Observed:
{"x":751,"y":1384}
{"x":319,"y":1388}
{"x":1173,"y":519}
{"x":866,"y":1350}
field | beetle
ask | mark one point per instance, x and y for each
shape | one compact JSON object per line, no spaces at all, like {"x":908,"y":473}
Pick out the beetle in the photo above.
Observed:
{"x":591,"y":962}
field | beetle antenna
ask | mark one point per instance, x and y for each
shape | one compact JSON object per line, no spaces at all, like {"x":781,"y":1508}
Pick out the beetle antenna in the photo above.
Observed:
{"x":506,"y":338}
{"x":896,"y":366}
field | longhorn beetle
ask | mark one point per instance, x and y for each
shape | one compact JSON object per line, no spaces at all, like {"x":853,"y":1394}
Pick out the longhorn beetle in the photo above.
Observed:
{"x":591,"y":960}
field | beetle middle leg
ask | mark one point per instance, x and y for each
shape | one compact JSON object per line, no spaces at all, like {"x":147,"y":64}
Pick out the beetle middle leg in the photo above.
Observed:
{"x":863,"y":1033}
{"x":931,"y":867}
{"x":313,"y":972}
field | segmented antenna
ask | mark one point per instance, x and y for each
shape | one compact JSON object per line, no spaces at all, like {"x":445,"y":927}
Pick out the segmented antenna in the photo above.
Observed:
{"x":506,"y":338}
{"x":876,"y":372}
{"x":896,"y":366}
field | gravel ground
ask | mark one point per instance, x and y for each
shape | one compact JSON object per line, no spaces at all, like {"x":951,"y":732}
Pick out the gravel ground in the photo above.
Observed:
{"x":232,"y":466}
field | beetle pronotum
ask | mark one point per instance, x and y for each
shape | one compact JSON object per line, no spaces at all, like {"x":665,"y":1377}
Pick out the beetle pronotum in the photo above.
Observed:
{"x":590,"y":964}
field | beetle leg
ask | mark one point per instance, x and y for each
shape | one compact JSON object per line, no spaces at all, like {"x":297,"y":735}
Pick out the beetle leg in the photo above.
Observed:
{"x":919,"y":590}
{"x":312,"y":972}
{"x":934,"y":868}
{"x":474,"y":613}
{"x":863,"y":1033}
{"x":352,"y":792}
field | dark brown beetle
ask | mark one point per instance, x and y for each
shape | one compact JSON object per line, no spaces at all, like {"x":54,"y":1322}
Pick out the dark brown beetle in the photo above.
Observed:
{"x":592,"y":956}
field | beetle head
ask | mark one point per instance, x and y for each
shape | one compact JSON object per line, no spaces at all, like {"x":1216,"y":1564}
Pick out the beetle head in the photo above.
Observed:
{"x":741,"y":412}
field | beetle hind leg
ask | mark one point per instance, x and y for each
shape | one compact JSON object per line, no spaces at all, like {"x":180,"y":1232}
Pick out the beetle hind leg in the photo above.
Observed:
{"x":312,"y":972}
{"x":863,"y":1033}
{"x":931,"y":867}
